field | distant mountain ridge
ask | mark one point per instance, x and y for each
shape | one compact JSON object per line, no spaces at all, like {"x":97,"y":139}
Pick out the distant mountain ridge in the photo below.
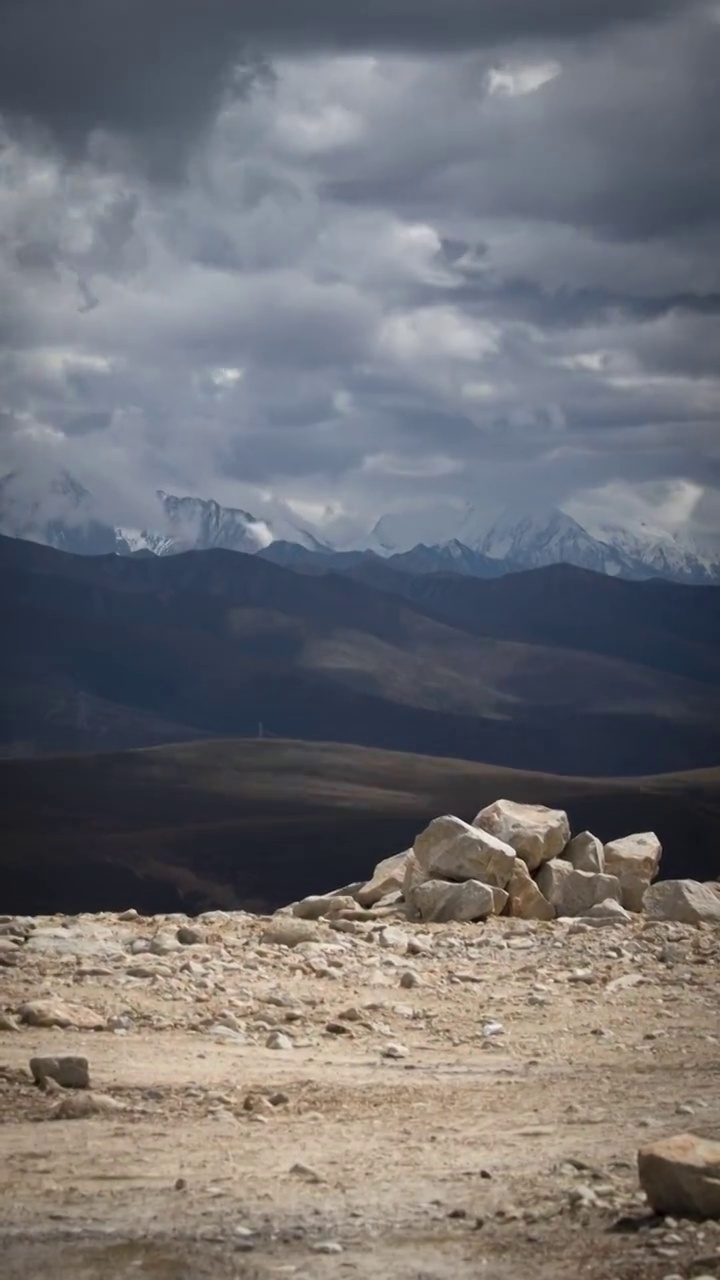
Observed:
{"x":515,"y":541}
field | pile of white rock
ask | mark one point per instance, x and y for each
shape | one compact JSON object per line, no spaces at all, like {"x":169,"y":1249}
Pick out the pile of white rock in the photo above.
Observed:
{"x":520,"y":860}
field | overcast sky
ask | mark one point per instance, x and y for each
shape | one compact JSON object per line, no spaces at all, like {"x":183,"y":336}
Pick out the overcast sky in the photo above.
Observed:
{"x":360,"y":257}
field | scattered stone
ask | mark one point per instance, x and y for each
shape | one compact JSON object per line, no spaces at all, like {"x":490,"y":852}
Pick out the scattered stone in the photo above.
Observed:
{"x":80,"y":1106}
{"x":8,"y":1023}
{"x":387,"y":877}
{"x":126,"y":916}
{"x":287,"y":932}
{"x":635,"y":860}
{"x":317,"y":906}
{"x":327,"y":1246}
{"x":69,"y":1072}
{"x":442,"y":900}
{"x":277,"y":1040}
{"x":608,"y":910}
{"x":59,"y":1013}
{"x":571,"y":892}
{"x":304,"y":1171}
{"x":188,"y":936}
{"x":586,"y":853}
{"x":394,"y":1050}
{"x":393,"y":938}
{"x":409,"y":979}
{"x":535,"y":832}
{"x":681,"y":1175}
{"x":685,"y":901}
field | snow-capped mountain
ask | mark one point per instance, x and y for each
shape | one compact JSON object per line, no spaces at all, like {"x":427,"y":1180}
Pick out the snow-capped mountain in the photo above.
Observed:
{"x":450,"y":537}
{"x":550,"y":537}
{"x":63,"y":515}
{"x":531,"y":540}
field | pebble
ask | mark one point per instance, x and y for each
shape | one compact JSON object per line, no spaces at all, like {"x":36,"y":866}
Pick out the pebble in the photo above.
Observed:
{"x":327,"y":1246}
{"x":276,"y":1040}
{"x":8,"y":1023}
{"x":394,"y":1050}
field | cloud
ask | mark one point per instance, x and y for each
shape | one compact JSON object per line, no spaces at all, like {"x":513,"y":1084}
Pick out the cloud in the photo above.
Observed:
{"x":365,"y":257}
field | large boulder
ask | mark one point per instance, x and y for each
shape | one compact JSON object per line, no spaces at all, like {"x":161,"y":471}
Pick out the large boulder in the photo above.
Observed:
{"x":443,"y":900}
{"x":686,"y":901}
{"x":635,"y":860}
{"x":681,"y":1176}
{"x":571,"y":892}
{"x":450,"y":849}
{"x":535,"y":832}
{"x":585,"y":853}
{"x":526,"y":900}
{"x":387,"y":878}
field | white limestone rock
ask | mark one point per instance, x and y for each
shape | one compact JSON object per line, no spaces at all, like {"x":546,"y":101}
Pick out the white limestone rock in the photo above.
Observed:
{"x":526,"y":901}
{"x":635,"y":860}
{"x":387,"y":878}
{"x":586,"y":853}
{"x":535,"y":832}
{"x":451,"y":849}
{"x":574,"y":893}
{"x":684,"y":901}
{"x":444,"y":900}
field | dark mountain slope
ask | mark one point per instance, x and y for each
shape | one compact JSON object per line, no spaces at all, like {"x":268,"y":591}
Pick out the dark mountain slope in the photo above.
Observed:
{"x":259,"y":823}
{"x":115,"y":652}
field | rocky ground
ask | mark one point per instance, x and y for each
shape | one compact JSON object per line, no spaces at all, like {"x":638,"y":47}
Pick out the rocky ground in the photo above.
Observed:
{"x":376,"y":1099}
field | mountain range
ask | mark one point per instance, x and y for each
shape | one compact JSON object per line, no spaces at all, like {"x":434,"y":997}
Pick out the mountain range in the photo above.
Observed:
{"x":513,"y":542}
{"x":556,"y":669}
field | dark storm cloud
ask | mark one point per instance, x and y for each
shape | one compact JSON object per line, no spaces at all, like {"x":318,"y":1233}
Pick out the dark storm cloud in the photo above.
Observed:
{"x":157,"y":71}
{"x":426,"y":252}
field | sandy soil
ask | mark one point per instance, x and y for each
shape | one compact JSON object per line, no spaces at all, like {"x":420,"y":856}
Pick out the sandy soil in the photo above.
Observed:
{"x":505,"y":1156}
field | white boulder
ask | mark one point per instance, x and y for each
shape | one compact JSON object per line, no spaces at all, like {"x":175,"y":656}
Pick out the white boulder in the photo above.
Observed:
{"x":443,"y":900}
{"x":526,"y":900}
{"x":571,"y":892}
{"x":451,"y":849}
{"x":535,"y":832}
{"x":387,"y":878}
{"x":635,"y":860}
{"x":686,"y":901}
{"x":585,"y":853}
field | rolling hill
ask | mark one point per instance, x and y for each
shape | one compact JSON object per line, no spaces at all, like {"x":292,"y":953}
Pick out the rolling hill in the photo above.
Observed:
{"x":257,"y":823}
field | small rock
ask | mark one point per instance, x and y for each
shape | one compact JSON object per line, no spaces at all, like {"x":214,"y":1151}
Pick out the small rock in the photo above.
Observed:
{"x":80,"y":1106}
{"x":130,"y":914}
{"x":69,"y":1072}
{"x":276,"y":1040}
{"x":304,"y":1171}
{"x":327,"y":1246}
{"x":409,"y":979}
{"x":190,"y":937}
{"x":8,"y":1023}
{"x":393,"y":938}
{"x":394,"y":1050}
{"x":60,"y":1013}
{"x":491,"y":1027}
{"x":681,"y":1175}
{"x":289,"y":932}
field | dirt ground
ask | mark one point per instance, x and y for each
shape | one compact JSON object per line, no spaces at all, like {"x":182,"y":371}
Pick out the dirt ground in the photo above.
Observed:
{"x":479,"y":1151}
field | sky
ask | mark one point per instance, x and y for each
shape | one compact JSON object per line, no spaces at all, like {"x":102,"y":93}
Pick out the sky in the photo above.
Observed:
{"x":345,"y":259}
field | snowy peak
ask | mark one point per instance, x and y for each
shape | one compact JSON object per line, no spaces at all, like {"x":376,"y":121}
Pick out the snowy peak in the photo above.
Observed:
{"x":548,"y":537}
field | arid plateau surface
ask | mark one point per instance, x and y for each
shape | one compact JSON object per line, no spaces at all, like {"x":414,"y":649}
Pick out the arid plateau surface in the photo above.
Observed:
{"x":368,"y":1097}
